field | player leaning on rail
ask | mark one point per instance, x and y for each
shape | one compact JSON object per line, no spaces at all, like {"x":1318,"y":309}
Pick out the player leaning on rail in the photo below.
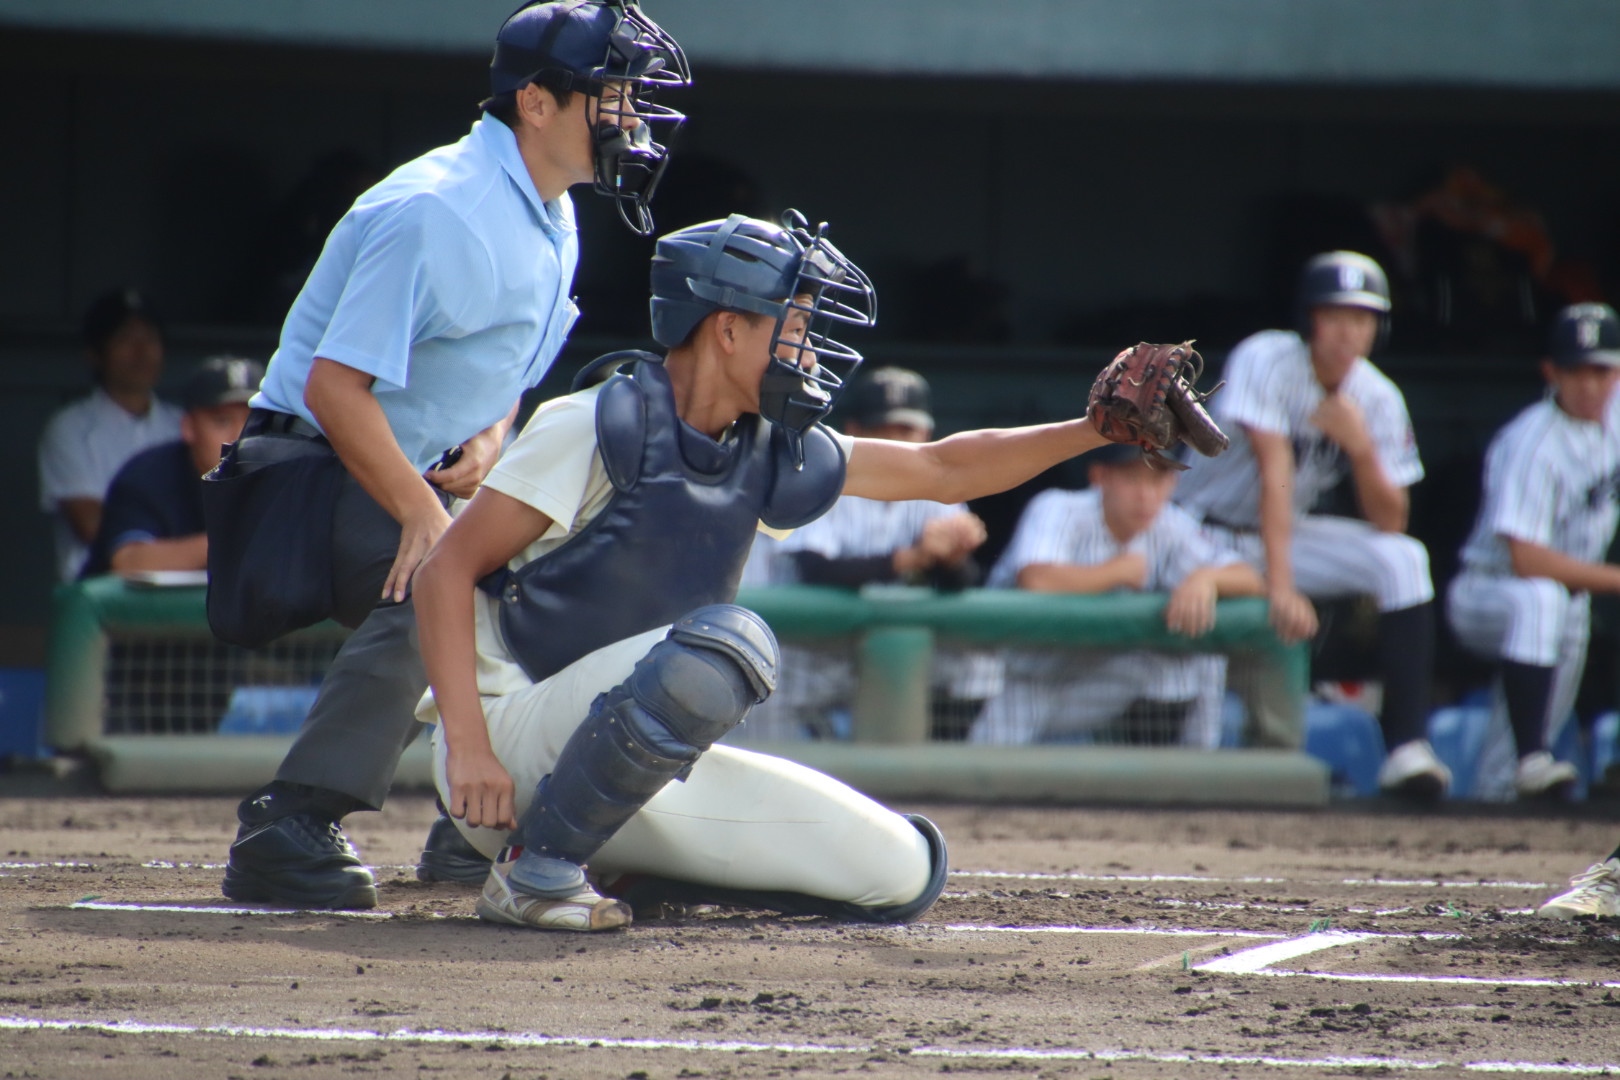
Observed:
{"x":577,"y":620}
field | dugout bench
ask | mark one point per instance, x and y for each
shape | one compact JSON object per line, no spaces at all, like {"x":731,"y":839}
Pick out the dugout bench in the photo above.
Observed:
{"x":111,"y":694}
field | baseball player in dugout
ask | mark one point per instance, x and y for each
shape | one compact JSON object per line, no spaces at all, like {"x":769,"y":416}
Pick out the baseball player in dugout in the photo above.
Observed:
{"x":577,"y":618}
{"x":439,"y":298}
{"x":1538,"y":548}
{"x":1119,"y":535}
{"x":1309,"y":408}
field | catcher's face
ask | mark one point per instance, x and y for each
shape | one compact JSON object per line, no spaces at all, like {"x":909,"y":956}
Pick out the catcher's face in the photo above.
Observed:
{"x":1132,"y":495}
{"x":1583,"y":391}
{"x":1339,"y":337}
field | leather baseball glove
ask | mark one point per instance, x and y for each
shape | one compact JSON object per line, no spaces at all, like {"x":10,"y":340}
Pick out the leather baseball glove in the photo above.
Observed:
{"x":1145,"y":396}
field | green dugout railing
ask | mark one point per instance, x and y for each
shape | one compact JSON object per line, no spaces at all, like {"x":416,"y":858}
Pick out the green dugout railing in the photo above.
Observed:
{"x":893,"y":630}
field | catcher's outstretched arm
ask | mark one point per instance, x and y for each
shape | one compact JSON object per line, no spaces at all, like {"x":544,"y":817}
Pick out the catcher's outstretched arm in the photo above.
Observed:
{"x":968,"y":465}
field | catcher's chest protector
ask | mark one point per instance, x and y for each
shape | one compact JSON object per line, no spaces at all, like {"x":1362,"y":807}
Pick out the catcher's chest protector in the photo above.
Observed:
{"x":676,"y":532}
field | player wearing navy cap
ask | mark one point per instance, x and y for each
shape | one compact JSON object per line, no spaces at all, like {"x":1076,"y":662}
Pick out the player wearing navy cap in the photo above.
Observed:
{"x":438,"y":299}
{"x":1536,"y":553}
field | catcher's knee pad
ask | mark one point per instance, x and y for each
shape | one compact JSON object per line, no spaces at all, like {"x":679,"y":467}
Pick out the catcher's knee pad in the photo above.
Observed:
{"x":648,"y":890}
{"x":689,"y":690}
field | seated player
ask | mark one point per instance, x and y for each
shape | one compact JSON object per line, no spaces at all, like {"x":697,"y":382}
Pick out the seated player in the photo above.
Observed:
{"x":1120,"y":534}
{"x":577,"y":624}
{"x":1547,"y":518}
{"x":865,"y":542}
{"x":152,"y":518}
{"x":1306,"y":409}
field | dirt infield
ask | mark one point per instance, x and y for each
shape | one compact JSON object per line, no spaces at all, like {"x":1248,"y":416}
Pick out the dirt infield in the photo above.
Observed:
{"x":1070,"y":942}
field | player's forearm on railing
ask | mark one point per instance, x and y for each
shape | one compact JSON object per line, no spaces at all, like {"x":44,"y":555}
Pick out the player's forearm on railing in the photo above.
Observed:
{"x":174,"y":553}
{"x":1236,"y":579}
{"x":1070,"y":578}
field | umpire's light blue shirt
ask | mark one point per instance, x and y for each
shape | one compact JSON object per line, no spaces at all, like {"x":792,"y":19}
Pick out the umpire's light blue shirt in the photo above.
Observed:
{"x":449,"y":283}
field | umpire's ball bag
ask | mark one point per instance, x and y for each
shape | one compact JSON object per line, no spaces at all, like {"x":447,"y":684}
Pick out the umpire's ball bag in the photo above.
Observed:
{"x":269,"y":510}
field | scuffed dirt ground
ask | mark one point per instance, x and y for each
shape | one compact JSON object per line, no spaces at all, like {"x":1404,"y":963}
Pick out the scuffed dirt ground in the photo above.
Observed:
{"x":998,"y":979}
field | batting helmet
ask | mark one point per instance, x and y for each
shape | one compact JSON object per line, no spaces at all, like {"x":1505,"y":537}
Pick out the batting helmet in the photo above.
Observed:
{"x":745,"y":264}
{"x":585,"y":45}
{"x":1342,"y":279}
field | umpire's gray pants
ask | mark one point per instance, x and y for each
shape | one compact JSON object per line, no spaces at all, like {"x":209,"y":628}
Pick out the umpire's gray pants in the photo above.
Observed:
{"x":364,"y":715}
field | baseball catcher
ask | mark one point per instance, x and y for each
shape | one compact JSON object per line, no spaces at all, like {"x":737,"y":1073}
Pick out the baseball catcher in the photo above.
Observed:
{"x":1145,"y":396}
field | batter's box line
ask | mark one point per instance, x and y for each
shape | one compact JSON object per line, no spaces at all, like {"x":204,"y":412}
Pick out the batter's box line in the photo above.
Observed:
{"x":1396,"y":883}
{"x":532,"y":1039}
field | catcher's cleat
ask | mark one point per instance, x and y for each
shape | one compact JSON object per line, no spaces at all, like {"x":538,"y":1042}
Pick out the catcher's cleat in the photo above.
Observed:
{"x":585,"y":909}
{"x":1542,"y":776}
{"x":1412,"y":771}
{"x":448,"y":856}
{"x":1593,"y":894}
{"x":298,"y":861}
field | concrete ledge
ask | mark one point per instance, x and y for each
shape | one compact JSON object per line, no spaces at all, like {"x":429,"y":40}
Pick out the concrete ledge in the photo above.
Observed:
{"x":225,"y":764}
{"x":216,"y":764}
{"x":1073,"y":774}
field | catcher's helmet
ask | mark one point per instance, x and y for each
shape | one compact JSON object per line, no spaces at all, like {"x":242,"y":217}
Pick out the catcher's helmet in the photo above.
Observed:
{"x":1342,"y":279}
{"x":745,"y":264}
{"x":586,"y":44}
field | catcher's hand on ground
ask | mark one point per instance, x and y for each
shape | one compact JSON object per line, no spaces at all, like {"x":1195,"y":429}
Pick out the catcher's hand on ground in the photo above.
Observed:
{"x":1145,"y":396}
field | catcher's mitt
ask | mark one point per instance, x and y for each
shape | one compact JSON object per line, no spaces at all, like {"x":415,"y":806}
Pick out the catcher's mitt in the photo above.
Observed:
{"x":1146,"y":397}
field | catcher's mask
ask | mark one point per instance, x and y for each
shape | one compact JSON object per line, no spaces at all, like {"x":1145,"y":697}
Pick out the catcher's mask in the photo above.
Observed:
{"x":786,"y":271}
{"x":1342,"y":279}
{"x":589,"y":46}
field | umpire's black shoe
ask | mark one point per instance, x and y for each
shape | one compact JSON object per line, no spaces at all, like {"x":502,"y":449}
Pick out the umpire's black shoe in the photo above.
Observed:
{"x":298,"y":861}
{"x":447,"y":856}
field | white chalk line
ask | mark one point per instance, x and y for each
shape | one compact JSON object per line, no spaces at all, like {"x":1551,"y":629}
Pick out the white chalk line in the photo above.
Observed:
{"x":1006,"y":875}
{"x":108,"y":905}
{"x":1397,"y":883}
{"x":532,"y":1039}
{"x":1261,"y":956}
{"x":1452,"y":980}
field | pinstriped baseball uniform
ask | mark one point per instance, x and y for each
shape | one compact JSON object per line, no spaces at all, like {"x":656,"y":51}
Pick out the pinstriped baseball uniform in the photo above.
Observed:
{"x":1550,"y":480}
{"x":817,"y":679}
{"x":1059,"y":692}
{"x":1271,"y":387}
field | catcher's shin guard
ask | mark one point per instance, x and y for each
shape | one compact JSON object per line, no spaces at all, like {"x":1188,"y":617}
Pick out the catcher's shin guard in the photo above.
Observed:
{"x":642,"y":891}
{"x":689,"y":690}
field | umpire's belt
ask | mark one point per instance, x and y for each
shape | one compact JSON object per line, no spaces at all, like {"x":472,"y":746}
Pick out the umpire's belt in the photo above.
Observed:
{"x":270,"y":422}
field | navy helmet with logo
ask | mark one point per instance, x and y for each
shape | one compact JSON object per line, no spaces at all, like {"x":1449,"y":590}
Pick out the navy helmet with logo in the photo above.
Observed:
{"x":588,"y":46}
{"x":748,"y":265}
{"x":1342,"y":279}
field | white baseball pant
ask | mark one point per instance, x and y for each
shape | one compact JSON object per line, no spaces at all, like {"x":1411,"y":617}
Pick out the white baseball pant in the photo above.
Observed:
{"x":1526,"y":620}
{"x":740,"y":819}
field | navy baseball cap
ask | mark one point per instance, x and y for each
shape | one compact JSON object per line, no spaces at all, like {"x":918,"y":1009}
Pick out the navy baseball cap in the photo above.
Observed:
{"x":110,"y":311}
{"x":587,"y":38}
{"x":221,"y":380}
{"x":1585,"y":334}
{"x":891,"y":395}
{"x":1115,"y":454}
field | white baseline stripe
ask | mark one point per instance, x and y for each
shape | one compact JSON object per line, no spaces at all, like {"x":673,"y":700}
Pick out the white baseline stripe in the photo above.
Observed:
{"x":519,"y":1039}
{"x":1260,"y":956}
{"x":1145,"y":930}
{"x":1454,"y":980}
{"x":1394,"y":883}
{"x":104,"y":905}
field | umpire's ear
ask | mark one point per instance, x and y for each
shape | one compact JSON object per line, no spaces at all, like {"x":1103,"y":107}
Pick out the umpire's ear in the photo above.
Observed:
{"x":537,"y":107}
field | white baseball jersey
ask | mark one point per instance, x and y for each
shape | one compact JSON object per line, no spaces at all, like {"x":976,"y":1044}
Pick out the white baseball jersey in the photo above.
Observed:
{"x":1271,"y":386}
{"x":1550,"y":480}
{"x":1067,"y":527}
{"x":856,"y":527}
{"x":1054,"y":692}
{"x":740,"y":819}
